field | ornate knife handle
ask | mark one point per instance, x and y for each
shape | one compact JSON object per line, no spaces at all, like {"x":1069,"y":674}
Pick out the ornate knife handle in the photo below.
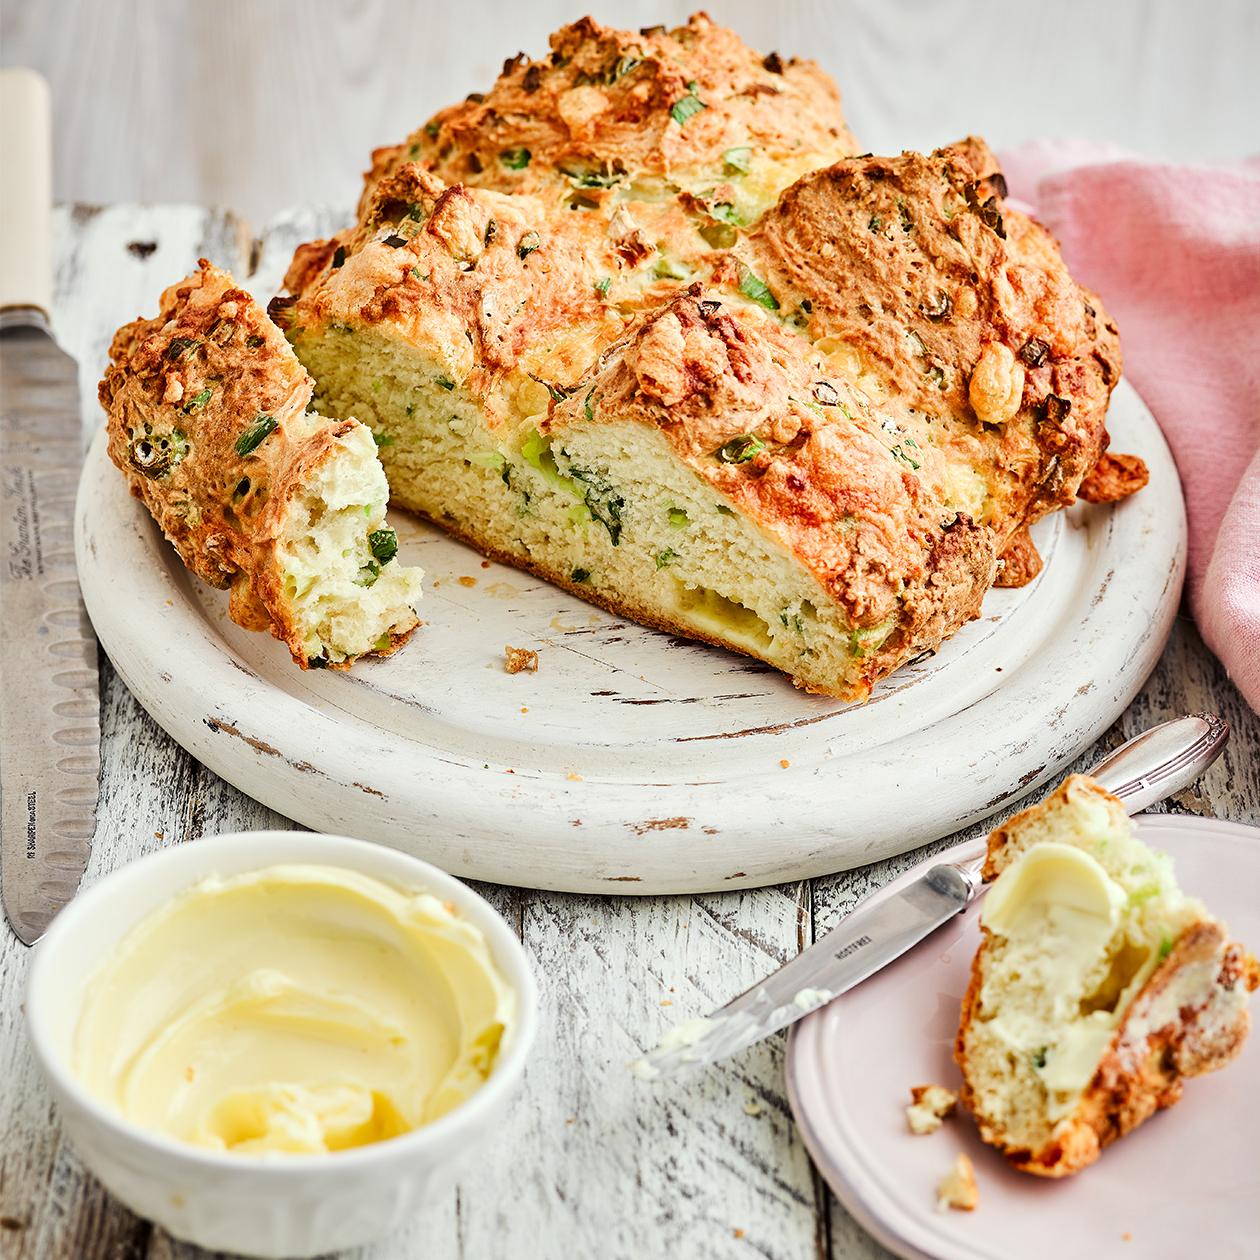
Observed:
{"x":1148,"y":768}
{"x":1161,"y":761}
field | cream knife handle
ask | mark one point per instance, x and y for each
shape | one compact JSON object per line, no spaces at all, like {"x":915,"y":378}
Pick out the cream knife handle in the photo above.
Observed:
{"x":25,"y":191}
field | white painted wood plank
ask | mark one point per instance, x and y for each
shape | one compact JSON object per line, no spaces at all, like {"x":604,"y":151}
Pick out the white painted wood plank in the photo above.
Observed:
{"x":258,"y":106}
{"x":112,"y":264}
{"x":620,"y":1167}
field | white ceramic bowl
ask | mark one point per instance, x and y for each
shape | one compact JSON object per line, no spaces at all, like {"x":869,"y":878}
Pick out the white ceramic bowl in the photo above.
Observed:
{"x":298,"y":1205}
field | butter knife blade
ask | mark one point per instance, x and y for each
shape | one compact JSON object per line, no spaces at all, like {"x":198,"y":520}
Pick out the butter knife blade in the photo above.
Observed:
{"x":49,"y":683}
{"x":1148,"y":768}
{"x":866,"y":940}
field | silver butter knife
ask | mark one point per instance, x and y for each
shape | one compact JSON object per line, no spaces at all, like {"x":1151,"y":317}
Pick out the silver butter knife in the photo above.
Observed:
{"x":49,"y":685}
{"x":1148,"y":768}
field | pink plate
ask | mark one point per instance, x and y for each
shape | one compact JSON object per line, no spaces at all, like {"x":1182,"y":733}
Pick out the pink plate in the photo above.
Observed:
{"x":1186,"y":1183}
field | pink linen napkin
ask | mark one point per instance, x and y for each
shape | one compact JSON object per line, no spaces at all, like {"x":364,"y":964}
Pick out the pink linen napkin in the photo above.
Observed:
{"x":1174,"y":252}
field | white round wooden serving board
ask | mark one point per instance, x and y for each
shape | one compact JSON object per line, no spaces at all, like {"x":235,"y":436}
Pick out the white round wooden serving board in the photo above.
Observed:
{"x":633,"y":761}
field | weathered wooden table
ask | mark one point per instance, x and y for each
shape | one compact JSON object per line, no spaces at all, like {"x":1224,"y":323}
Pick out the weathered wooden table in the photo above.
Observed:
{"x":592,"y":1162}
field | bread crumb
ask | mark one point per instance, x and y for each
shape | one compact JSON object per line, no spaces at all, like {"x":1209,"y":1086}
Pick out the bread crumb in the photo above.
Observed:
{"x":922,"y":1120}
{"x":517,"y":660}
{"x":932,"y":1103}
{"x":785,"y":763}
{"x":574,"y":776}
{"x":958,"y":1189}
{"x":467,"y":581}
{"x":667,"y":1001}
{"x":524,"y":708}
{"x":752,"y":1108}
{"x":485,"y":564}
{"x":159,"y":835}
{"x":1127,"y":1236}
{"x":737,"y":1233}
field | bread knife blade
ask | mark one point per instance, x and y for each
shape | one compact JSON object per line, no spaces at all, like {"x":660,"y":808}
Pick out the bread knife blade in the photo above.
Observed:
{"x":49,"y":681}
{"x":1153,"y":765}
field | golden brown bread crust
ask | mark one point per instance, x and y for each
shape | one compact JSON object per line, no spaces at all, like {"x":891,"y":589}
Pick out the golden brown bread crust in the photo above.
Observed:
{"x":606,"y":100}
{"x":824,"y":484}
{"x":917,"y":263}
{"x":182,"y":390}
{"x":546,"y":229}
{"x":1020,"y":562}
{"x":1113,"y":477}
{"x":478,"y":279}
{"x":1000,"y":837}
{"x":1158,"y":1044}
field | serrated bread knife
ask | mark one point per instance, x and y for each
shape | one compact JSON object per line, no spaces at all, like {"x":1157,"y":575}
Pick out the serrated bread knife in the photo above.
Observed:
{"x":49,"y":686}
{"x":1150,"y":767}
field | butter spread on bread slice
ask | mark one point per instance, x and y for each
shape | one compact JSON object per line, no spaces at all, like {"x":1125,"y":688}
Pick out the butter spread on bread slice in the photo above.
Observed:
{"x":1098,"y":988}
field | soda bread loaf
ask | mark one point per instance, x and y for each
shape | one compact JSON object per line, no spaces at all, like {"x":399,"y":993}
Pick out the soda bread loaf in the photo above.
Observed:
{"x":639,"y":321}
{"x":1098,"y":989}
{"x":286,"y":508}
{"x":636,"y":320}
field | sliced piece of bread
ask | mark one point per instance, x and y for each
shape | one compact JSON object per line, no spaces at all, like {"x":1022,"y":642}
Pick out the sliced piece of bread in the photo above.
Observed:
{"x":1098,"y":988}
{"x":208,"y":422}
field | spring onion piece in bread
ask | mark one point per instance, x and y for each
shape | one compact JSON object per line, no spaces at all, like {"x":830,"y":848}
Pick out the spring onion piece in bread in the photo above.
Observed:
{"x":208,"y":422}
{"x":1098,"y":988}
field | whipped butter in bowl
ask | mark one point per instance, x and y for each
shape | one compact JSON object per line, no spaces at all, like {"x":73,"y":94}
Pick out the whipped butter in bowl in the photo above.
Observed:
{"x":296,"y":1008}
{"x":280,"y":1043}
